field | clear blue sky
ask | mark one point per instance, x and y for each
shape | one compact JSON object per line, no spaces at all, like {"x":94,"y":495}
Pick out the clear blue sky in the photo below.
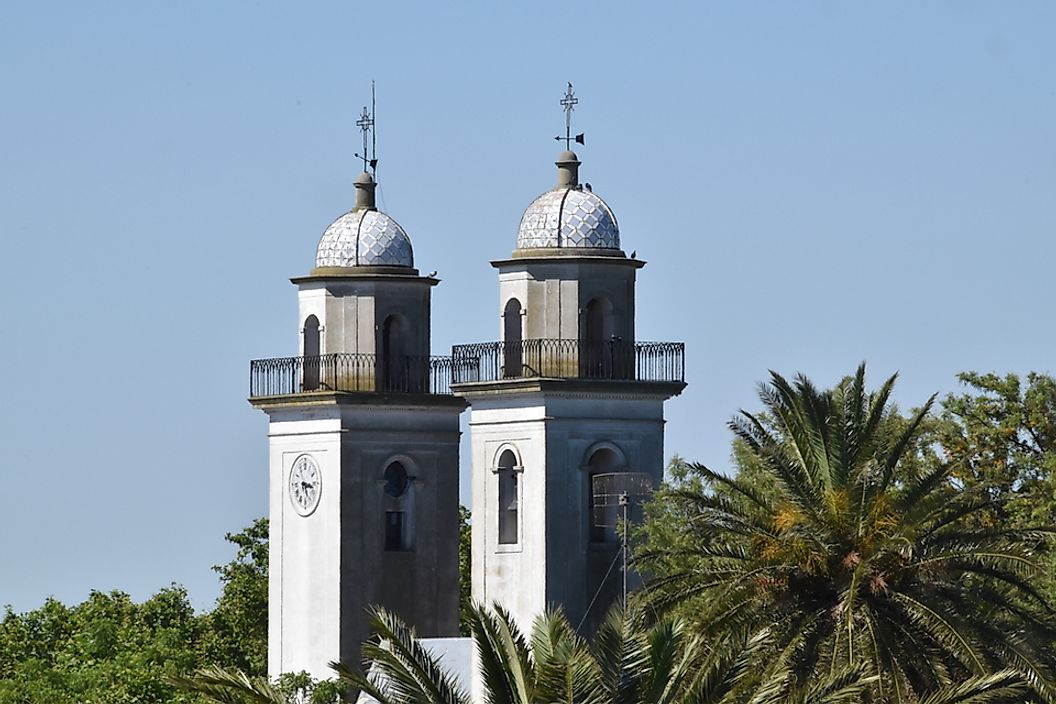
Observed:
{"x":813,"y":184}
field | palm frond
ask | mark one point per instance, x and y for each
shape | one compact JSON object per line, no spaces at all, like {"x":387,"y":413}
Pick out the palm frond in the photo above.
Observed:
{"x":229,"y":687}
{"x":401,"y":670}
{"x":1002,"y":686}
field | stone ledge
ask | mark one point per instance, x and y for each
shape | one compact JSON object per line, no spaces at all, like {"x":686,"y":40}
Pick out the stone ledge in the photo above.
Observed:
{"x":357,"y":398}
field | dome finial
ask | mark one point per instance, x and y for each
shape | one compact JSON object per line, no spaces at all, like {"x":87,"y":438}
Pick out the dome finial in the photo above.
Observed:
{"x":567,"y":161}
{"x":567,"y":169}
{"x":569,"y":103}
{"x":366,"y":124}
{"x":365,"y":186}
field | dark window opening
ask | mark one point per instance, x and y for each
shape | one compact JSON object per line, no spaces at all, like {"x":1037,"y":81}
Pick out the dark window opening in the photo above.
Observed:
{"x":395,"y":480}
{"x":512,"y":351}
{"x":397,"y":501}
{"x":395,"y":535}
{"x":310,"y":380}
{"x":602,"y":520}
{"x":396,"y":371}
{"x":508,"y":498}
{"x":599,"y":341}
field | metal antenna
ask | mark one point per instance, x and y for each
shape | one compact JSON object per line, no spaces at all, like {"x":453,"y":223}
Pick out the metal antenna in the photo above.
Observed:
{"x":365,"y":123}
{"x":625,"y":504}
{"x":374,"y":133}
{"x":569,"y":103}
{"x":617,"y":498}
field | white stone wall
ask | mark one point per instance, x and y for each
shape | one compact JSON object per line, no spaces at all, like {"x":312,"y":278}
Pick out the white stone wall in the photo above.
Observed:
{"x":304,"y":562}
{"x":513,"y":575}
{"x":553,"y":433}
{"x":327,"y":568}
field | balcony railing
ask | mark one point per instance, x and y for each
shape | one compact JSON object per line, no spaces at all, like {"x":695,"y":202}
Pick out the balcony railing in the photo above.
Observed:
{"x":569,"y":359}
{"x":350,"y":372}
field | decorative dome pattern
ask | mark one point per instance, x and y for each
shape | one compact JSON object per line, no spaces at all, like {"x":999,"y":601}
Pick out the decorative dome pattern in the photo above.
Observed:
{"x":364,"y":238}
{"x":568,"y":217}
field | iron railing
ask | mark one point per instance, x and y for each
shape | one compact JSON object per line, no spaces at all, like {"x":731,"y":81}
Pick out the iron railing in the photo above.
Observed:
{"x":350,"y":372}
{"x":569,"y":359}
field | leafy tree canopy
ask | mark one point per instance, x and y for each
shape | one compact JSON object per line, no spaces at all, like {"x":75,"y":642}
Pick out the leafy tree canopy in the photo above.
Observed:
{"x":1001,"y":432}
{"x":111,"y":650}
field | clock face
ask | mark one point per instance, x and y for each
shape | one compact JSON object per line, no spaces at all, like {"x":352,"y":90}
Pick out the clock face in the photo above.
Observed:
{"x":306,"y":484}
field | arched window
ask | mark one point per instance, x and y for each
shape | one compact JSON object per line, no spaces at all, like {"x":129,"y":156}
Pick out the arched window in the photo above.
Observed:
{"x":393,"y":363}
{"x":599,"y":339}
{"x":507,"y":471}
{"x":512,"y":340}
{"x":310,"y":378}
{"x":399,"y":505}
{"x":603,"y":518}
{"x":395,"y":480}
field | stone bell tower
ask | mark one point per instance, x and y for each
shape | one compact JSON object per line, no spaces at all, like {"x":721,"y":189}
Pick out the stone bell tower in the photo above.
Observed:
{"x":567,"y":394}
{"x":363,"y":436}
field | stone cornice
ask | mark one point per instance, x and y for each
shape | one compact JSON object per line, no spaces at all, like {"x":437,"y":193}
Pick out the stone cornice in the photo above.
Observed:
{"x":364,"y":273}
{"x":544,"y":255}
{"x":570,"y":388}
{"x":328,"y":399}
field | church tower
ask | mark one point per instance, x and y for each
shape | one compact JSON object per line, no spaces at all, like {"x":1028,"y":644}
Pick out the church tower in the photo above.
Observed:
{"x":363,"y":436}
{"x":565,"y":399}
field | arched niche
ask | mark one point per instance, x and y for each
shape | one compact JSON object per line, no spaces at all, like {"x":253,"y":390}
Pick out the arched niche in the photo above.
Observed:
{"x":512,"y":339}
{"x":597,"y":346}
{"x":311,"y":347}
{"x":395,"y":371}
{"x":601,"y":458}
{"x":507,"y":474}
{"x":397,"y":480}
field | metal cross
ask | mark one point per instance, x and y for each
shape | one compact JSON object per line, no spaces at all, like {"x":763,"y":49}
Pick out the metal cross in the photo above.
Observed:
{"x":569,"y":103}
{"x":365,"y":122}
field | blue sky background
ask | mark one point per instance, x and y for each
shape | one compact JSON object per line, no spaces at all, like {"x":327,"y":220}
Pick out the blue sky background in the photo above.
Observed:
{"x":813,"y":184}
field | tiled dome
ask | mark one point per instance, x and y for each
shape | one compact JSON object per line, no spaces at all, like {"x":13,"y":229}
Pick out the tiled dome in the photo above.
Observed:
{"x":364,"y":236}
{"x":568,"y":217}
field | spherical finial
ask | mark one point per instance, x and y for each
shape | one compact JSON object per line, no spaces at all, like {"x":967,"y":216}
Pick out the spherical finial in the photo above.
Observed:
{"x":365,"y":186}
{"x":567,"y":168}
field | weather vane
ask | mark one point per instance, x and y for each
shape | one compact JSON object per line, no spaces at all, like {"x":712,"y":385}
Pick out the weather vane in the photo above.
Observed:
{"x":569,"y":103}
{"x":366,"y":124}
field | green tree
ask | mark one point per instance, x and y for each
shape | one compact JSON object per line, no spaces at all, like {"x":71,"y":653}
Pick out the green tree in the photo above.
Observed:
{"x":855,"y":542}
{"x":110,"y":649}
{"x":626,"y":662}
{"x":237,"y":628}
{"x":465,"y":573}
{"x":1001,"y":433}
{"x":106,"y":649}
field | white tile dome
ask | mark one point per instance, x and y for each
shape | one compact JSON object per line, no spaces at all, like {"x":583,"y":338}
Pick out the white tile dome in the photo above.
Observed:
{"x":364,"y":237}
{"x":568,"y":217}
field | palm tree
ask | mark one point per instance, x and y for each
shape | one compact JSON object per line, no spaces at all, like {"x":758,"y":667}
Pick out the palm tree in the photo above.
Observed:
{"x":855,"y":550}
{"x":625,"y":663}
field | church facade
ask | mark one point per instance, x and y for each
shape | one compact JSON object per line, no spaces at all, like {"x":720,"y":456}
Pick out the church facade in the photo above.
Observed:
{"x":566,"y":422}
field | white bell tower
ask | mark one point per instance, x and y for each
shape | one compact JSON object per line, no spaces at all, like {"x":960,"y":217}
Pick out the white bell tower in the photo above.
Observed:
{"x":363,"y":435}
{"x":566,"y":395}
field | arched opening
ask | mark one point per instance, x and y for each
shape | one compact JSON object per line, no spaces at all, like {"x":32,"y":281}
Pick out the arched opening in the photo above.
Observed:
{"x":394,"y":373}
{"x":399,"y":504}
{"x":396,"y":480}
{"x":310,"y":354}
{"x":599,"y":340}
{"x":602,"y":525}
{"x":512,"y":340}
{"x":507,"y":471}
